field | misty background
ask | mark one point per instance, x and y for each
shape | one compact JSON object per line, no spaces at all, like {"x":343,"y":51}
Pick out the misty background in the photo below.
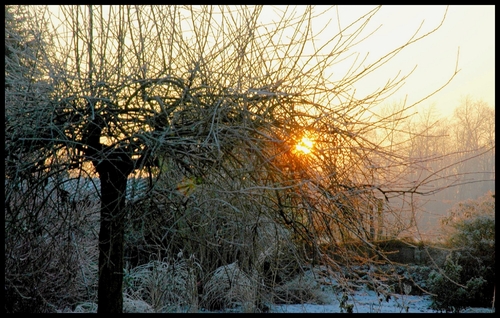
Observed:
{"x":453,"y":158}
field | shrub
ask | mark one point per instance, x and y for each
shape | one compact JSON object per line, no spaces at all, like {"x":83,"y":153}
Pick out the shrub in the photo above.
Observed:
{"x":468,"y":276}
{"x":167,"y":285}
{"x":448,"y":294}
{"x":303,"y":288}
{"x":229,"y":287}
{"x":50,"y":250}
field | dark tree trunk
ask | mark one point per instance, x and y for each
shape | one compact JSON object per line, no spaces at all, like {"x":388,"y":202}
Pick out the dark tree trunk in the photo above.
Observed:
{"x":113,"y":173}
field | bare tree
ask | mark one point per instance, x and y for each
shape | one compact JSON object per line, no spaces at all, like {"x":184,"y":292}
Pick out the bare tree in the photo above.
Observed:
{"x":473,"y":129}
{"x":207,"y":91}
{"x":442,"y":160}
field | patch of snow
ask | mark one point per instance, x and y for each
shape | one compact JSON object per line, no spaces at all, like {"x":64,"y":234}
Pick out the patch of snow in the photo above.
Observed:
{"x":367,"y":301}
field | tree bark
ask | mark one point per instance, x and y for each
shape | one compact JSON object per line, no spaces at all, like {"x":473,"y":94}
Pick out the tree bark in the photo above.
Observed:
{"x":113,"y":174}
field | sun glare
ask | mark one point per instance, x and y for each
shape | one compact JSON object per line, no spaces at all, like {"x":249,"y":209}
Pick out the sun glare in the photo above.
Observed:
{"x":304,"y":145}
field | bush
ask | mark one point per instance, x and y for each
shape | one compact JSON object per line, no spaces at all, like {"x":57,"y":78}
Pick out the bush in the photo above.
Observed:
{"x":448,"y":294}
{"x":167,"y":285}
{"x":230,"y":287}
{"x":51,"y":250}
{"x":468,"y":276}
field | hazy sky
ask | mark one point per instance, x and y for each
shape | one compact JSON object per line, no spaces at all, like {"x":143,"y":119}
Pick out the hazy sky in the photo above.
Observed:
{"x":468,"y":27}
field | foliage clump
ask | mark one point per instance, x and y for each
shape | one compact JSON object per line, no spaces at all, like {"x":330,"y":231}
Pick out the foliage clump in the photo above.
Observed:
{"x":468,"y":276}
{"x":304,"y":288}
{"x":167,"y":285}
{"x":229,"y":287}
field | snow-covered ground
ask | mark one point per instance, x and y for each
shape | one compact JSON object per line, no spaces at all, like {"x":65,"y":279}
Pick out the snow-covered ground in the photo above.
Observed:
{"x":356,"y":297}
{"x":367,"y":301}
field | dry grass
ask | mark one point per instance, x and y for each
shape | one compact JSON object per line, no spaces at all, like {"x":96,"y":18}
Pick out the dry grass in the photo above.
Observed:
{"x":51,"y":251}
{"x":304,"y":288}
{"x":230,"y":287}
{"x":167,"y":286}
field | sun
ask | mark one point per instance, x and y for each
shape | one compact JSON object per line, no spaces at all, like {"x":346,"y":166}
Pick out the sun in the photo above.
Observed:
{"x":305,"y":145}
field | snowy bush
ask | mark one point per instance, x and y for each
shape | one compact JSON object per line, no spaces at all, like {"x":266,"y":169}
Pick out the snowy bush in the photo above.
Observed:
{"x":229,"y":287}
{"x":468,"y":276}
{"x":167,"y":285}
